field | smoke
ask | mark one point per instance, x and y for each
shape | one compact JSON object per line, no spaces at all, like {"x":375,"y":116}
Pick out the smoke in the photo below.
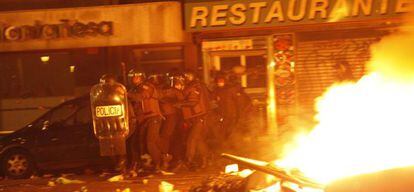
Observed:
{"x":392,"y":57}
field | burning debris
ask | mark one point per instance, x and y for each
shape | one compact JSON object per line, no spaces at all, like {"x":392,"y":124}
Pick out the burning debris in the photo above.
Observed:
{"x":233,"y":168}
{"x":116,"y":178}
{"x":63,"y":181}
{"x":364,"y":127}
{"x":282,"y":174}
{"x":124,"y":190}
{"x":222,"y":182}
{"x":165,"y":187}
{"x":266,"y":178}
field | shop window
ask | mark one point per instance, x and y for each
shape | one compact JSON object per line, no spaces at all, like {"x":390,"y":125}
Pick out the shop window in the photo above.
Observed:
{"x":244,"y":56}
{"x":254,"y":63}
{"x":89,"y":66}
{"x":159,"y":60}
{"x":10,"y":81}
{"x":36,"y":74}
{"x":227,"y":63}
{"x":256,"y":67}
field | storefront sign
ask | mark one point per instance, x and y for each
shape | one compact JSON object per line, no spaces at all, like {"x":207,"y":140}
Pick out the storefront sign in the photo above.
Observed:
{"x":64,"y":29}
{"x":100,"y":26}
{"x":252,"y":13}
{"x":228,"y":45}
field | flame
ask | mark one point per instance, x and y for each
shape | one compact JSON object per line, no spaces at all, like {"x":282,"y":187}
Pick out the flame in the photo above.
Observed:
{"x":233,"y":169}
{"x":271,"y":98}
{"x":273,"y":188}
{"x":366,"y":126}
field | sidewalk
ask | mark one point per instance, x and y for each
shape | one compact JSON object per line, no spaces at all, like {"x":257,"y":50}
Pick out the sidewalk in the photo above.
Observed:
{"x":96,"y":183}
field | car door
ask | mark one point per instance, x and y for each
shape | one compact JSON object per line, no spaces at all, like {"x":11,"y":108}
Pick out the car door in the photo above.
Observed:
{"x":90,"y":150}
{"x":83,"y":129}
{"x":60,"y":140}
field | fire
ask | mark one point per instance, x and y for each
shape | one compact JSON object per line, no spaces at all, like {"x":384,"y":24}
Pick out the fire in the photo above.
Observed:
{"x":365,"y":126}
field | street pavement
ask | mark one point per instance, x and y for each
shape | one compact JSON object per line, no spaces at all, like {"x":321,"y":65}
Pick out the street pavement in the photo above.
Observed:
{"x":182,"y":181}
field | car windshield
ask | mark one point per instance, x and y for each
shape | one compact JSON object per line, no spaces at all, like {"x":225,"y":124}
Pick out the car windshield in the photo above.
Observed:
{"x":58,"y":114}
{"x":62,"y":113}
{"x":83,"y":116}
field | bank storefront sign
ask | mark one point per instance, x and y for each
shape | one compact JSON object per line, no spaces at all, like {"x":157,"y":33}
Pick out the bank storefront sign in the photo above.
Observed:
{"x":253,"y":13}
{"x":64,"y":29}
{"x":100,"y":26}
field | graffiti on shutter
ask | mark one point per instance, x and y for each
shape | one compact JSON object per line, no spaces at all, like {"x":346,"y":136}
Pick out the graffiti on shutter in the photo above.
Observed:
{"x":324,"y":62}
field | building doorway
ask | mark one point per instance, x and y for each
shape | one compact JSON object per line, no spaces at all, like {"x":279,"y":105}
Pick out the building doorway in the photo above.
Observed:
{"x":253,"y":62}
{"x":253,"y":79}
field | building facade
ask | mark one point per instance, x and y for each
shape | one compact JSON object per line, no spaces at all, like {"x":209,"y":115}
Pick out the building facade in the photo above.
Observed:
{"x":50,"y":54}
{"x":292,"y":51}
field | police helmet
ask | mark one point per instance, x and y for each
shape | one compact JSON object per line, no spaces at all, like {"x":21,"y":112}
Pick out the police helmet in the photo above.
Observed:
{"x":177,"y":81}
{"x":107,"y":78}
{"x":136,"y":73}
{"x":158,"y":79}
{"x":136,"y":77}
{"x":190,"y":76}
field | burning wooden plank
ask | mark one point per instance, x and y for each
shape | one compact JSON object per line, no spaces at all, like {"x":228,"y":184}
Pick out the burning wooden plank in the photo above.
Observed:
{"x":280,"y":173}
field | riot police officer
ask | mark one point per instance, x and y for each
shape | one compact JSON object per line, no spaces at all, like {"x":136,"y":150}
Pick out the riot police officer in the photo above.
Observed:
{"x":170,"y":96}
{"x":145,"y":97}
{"x":136,"y":141}
{"x":194,"y":109}
{"x":112,"y":130}
{"x":225,"y":96}
{"x":233,"y":102}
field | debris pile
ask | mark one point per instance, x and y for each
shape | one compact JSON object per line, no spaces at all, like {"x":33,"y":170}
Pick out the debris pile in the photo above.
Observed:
{"x":221,"y":183}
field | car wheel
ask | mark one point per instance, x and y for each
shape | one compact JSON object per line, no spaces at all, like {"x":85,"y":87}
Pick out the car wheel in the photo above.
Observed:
{"x":18,"y":164}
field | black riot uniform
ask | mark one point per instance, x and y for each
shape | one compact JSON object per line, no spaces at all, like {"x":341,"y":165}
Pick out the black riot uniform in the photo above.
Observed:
{"x":227,"y":106}
{"x":144,"y":96}
{"x":233,"y":103}
{"x":169,"y":97}
{"x":194,"y":109}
